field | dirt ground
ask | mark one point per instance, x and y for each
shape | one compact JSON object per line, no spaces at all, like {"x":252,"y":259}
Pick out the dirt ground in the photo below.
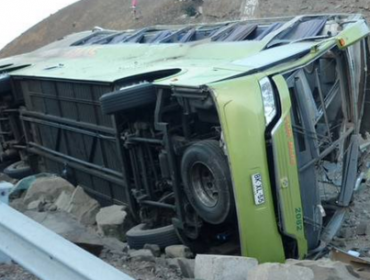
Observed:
{"x":351,"y":237}
{"x":159,"y":269}
{"x":355,"y":232}
{"x":15,"y":272}
{"x":354,"y":235}
{"x":294,"y":7}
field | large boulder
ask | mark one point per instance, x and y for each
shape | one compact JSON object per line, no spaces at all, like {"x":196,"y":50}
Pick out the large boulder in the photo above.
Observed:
{"x":214,"y":267}
{"x":65,"y":225}
{"x":63,"y":201}
{"x":325,"y":269}
{"x":114,"y":221}
{"x":276,"y":271}
{"x":83,"y":207}
{"x":47,"y":187}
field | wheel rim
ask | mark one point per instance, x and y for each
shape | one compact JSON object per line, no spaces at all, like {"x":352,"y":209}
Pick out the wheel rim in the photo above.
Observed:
{"x":204,"y":184}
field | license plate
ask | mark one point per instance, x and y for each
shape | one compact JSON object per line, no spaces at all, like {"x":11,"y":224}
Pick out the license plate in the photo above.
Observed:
{"x":259,"y":196}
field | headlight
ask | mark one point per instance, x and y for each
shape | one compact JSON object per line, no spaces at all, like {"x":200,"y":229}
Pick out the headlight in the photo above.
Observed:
{"x":268,"y":100}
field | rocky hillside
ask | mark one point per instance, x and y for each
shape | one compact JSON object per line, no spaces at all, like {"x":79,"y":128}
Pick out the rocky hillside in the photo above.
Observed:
{"x":110,"y":14}
{"x":116,"y":14}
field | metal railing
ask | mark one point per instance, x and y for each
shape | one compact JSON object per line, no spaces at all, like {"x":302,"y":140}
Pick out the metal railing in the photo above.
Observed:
{"x":44,"y":253}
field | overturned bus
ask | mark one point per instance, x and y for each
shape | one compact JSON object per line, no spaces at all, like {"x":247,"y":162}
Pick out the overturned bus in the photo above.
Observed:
{"x":244,"y":133}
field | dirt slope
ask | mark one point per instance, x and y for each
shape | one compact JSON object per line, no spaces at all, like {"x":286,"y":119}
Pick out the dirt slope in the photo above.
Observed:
{"x":110,"y":14}
{"x":86,"y":14}
{"x":116,"y":14}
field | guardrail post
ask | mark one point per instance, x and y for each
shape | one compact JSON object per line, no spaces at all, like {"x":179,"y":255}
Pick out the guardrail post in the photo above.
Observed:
{"x":5,"y":189}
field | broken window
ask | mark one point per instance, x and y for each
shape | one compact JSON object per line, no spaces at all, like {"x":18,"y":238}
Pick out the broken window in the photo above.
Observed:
{"x":324,"y":124}
{"x":307,"y":28}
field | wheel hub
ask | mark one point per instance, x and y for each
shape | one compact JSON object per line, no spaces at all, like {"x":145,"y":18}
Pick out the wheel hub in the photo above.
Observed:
{"x":204,"y":184}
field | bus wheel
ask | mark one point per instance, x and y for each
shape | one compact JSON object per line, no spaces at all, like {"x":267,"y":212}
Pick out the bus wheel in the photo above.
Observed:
{"x":207,"y":181}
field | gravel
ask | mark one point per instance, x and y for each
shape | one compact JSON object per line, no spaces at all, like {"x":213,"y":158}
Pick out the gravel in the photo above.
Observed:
{"x":15,"y":272}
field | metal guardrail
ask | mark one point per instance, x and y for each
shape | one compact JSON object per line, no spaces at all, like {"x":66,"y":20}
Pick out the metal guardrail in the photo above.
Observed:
{"x":44,"y":253}
{"x":4,"y":198}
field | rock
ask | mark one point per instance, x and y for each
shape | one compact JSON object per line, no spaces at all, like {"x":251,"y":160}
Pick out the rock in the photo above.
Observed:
{"x":48,"y":187}
{"x":363,"y":228}
{"x":275,"y":271}
{"x":142,"y":255}
{"x":115,"y":246}
{"x":37,"y":205}
{"x":83,"y":207}
{"x":156,"y":250}
{"x":173,"y":264}
{"x":149,"y":266}
{"x":178,"y":251}
{"x":214,"y":267}
{"x":113,"y":221}
{"x":50,"y":207}
{"x":187,"y":267}
{"x":63,"y":224}
{"x":18,"y":205}
{"x":23,"y":185}
{"x":161,"y":262}
{"x":63,"y":201}
{"x":325,"y":269}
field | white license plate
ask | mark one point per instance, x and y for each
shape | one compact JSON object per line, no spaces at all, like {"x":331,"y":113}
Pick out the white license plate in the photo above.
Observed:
{"x":259,"y":196}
